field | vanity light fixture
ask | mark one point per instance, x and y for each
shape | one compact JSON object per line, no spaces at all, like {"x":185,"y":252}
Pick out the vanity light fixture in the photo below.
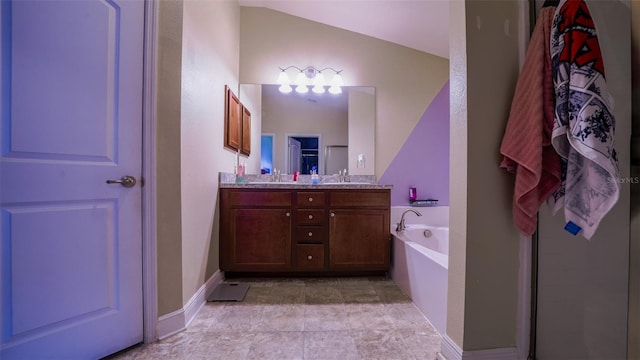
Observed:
{"x":309,"y":76}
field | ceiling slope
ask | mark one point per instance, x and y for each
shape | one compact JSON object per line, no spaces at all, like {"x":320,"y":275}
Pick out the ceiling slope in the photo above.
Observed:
{"x":418,"y":24}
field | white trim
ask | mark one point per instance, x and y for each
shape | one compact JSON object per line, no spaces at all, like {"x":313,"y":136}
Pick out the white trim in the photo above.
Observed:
{"x":451,"y":351}
{"x":149,"y":241}
{"x":524,"y":30}
{"x":170,"y":324}
{"x":200,"y":297}
{"x":523,"y":322}
{"x":509,"y":353}
{"x":178,"y":320}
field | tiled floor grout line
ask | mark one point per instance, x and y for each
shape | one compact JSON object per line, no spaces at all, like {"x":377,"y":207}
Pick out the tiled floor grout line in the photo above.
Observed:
{"x":371,"y":319}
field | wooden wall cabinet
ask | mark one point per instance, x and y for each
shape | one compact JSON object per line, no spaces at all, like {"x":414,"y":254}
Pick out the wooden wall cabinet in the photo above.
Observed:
{"x":303,"y":231}
{"x":245,"y":147}
{"x":232,"y":120}
{"x":237,"y":123}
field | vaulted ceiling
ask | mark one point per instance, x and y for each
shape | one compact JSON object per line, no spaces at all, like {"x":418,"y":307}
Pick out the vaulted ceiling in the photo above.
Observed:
{"x":419,"y":24}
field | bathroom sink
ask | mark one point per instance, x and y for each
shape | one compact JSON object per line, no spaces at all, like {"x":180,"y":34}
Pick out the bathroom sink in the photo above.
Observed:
{"x":347,"y":183}
{"x":271,"y":182}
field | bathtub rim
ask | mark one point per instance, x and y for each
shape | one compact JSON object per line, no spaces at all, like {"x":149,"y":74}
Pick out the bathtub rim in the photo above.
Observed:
{"x":440,"y":258}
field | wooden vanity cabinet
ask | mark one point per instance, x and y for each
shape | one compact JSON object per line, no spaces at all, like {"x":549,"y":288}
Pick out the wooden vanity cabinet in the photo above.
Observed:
{"x":301,"y":231}
{"x":255,"y":230}
{"x":359,"y":230}
{"x":310,"y":235}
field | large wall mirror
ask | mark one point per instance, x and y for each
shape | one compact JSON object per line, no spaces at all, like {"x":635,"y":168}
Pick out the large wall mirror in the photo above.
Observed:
{"x":326,"y":131}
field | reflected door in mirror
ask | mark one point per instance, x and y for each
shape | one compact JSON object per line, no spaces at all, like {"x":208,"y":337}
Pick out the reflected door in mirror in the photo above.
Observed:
{"x":295,"y":155}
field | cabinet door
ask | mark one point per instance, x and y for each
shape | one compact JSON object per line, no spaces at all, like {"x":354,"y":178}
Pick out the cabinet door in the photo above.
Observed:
{"x":359,"y":239}
{"x":259,"y":239}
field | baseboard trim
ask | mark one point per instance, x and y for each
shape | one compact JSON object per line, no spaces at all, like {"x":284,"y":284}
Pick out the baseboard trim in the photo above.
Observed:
{"x":176,"y":321}
{"x":200,"y":297}
{"x":170,"y":324}
{"x":451,"y":351}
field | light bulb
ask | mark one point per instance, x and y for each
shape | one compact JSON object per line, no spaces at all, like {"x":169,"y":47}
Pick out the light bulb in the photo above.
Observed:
{"x":336,"y":84}
{"x":319,"y":79}
{"x":318,"y":89}
{"x":302,"y":89}
{"x":301,"y":80}
{"x":285,"y":88}
{"x":337,"y":80}
{"x":283,"y":78}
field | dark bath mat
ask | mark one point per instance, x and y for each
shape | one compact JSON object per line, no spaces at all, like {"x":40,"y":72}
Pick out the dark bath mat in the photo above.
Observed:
{"x":229,"y":292}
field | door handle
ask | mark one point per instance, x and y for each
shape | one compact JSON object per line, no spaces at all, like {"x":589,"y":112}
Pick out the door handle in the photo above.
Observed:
{"x":126,"y":181}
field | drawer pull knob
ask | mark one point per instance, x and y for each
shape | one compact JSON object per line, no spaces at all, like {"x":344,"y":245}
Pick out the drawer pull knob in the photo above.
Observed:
{"x":310,"y":234}
{"x":333,"y":214}
{"x":310,"y":199}
{"x":309,"y":257}
{"x":310,"y":217}
{"x":288,"y":213}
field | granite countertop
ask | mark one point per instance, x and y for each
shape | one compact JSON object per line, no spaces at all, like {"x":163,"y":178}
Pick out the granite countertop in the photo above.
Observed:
{"x":228,"y":181}
{"x":292,"y":185}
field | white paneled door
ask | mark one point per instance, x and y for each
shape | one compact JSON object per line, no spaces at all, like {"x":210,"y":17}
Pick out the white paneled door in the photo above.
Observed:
{"x":71,"y":119}
{"x":295,"y":155}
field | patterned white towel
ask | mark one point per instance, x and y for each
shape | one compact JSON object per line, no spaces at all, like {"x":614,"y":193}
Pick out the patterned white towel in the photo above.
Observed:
{"x":583,"y":132}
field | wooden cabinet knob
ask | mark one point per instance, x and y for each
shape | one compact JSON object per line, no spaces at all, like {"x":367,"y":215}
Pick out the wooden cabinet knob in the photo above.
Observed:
{"x":310,"y":216}
{"x":333,"y":214}
{"x":310,"y":199}
{"x":310,"y":234}
{"x":309,"y":257}
{"x":288,"y":213}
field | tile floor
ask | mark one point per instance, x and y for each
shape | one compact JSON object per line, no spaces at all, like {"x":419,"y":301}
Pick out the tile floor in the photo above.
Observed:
{"x":323,"y":319}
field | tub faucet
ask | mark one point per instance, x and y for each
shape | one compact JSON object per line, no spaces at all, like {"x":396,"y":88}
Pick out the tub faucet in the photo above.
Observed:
{"x":401,"y":226}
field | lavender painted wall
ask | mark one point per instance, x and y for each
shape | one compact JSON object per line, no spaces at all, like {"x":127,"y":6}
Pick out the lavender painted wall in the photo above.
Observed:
{"x":423,"y":160}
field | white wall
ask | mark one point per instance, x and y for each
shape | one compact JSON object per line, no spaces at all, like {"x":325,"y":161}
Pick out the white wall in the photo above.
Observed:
{"x":634,"y":273}
{"x":210,"y":51}
{"x":169,"y":216}
{"x":251,"y":97}
{"x":583,"y":284}
{"x":484,"y":246}
{"x":362,"y":115}
{"x":406,"y":80}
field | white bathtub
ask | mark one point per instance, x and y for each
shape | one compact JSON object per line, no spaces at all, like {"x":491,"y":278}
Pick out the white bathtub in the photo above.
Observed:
{"x":419,"y":264}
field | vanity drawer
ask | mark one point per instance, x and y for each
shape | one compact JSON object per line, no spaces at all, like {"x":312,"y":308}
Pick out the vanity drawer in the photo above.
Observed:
{"x":360,"y":198}
{"x":311,"y":234}
{"x":310,"y":257}
{"x":310,"y":199}
{"x":310,"y":216}
{"x":258,"y":198}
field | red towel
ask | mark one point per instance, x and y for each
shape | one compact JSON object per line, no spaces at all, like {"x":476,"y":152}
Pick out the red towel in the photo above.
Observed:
{"x":526,"y":145}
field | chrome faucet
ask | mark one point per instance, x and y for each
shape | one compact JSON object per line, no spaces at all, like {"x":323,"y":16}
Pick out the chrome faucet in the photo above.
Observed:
{"x":401,"y":226}
{"x":275,"y":175}
{"x":342,"y":176}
